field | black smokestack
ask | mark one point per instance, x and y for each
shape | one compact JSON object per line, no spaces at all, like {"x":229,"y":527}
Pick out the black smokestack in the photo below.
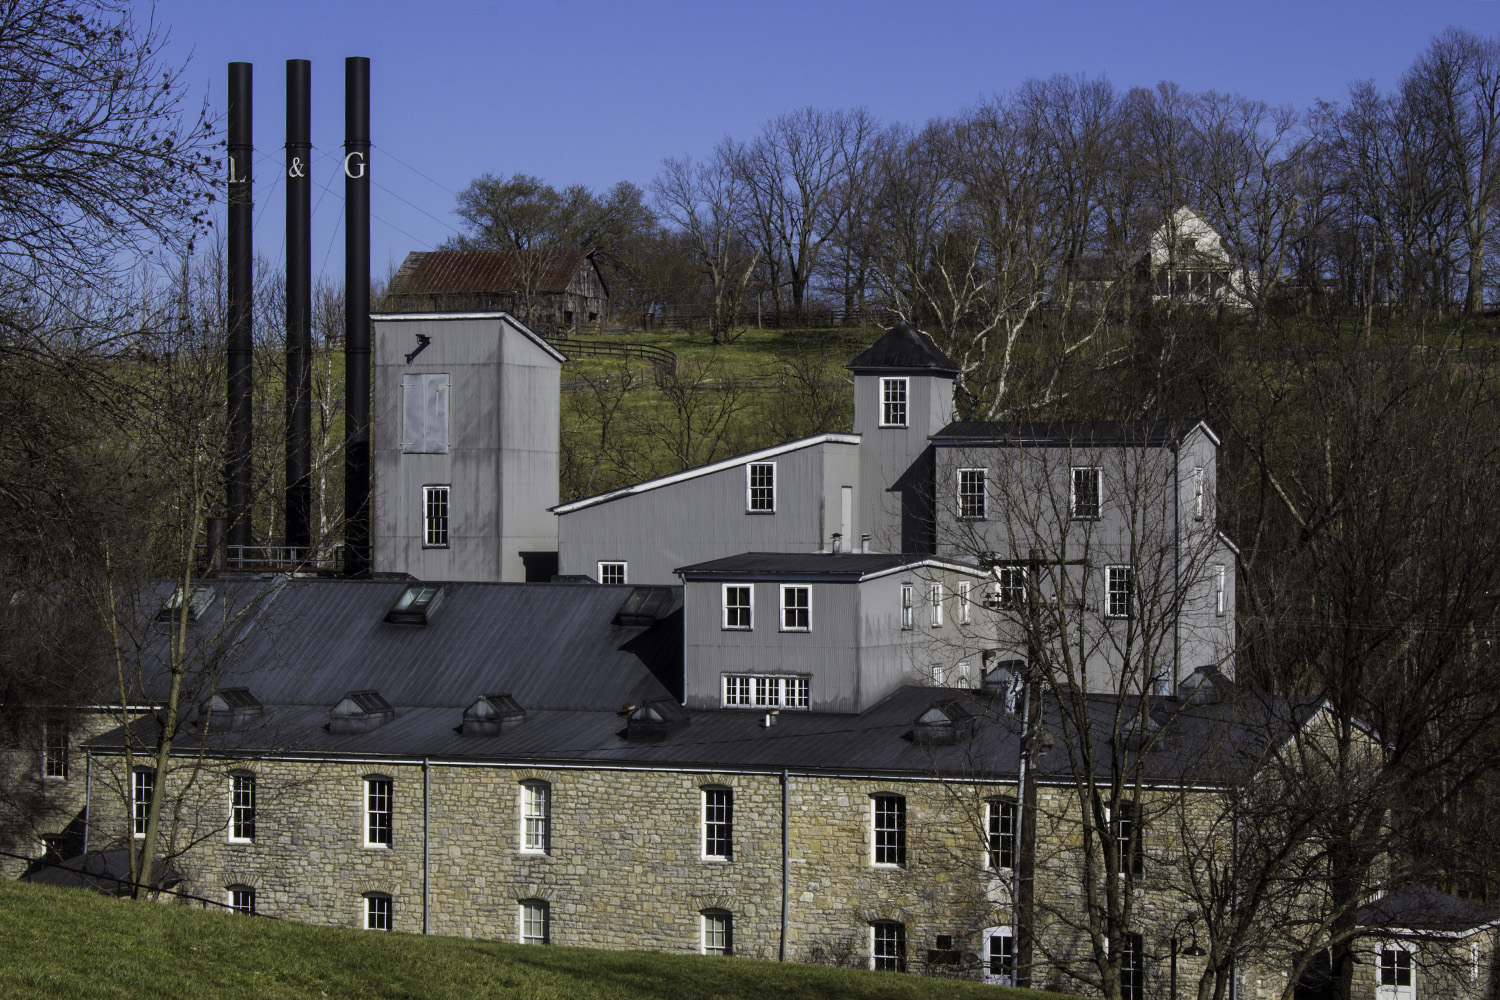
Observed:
{"x":241,"y":221}
{"x":357,"y":314}
{"x":298,"y":305}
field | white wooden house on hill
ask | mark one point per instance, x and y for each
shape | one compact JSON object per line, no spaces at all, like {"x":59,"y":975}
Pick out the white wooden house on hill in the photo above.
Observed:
{"x":1186,"y":263}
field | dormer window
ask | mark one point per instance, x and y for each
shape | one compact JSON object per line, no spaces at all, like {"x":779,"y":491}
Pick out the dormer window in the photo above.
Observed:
{"x":360,"y":712}
{"x":490,"y":713}
{"x":893,"y":402}
{"x":416,"y":605}
{"x":202,"y":597}
{"x":231,"y":709}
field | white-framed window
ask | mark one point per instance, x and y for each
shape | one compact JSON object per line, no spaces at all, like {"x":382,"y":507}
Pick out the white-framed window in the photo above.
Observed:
{"x":717,"y":932}
{"x":971,"y":495}
{"x":760,"y":488}
{"x":1087,"y":498}
{"x":766,"y":691}
{"x":1130,"y":853}
{"x":964,"y":614}
{"x":1396,"y":975}
{"x":888,"y":830}
{"x":142,"y":788}
{"x":963,"y":673}
{"x":999,"y":956}
{"x":1200,"y":499}
{"x":534,"y":919}
{"x":718,"y":823}
{"x":1133,"y":969}
{"x":241,"y":808}
{"x":612,"y":572}
{"x":1118,"y":591}
{"x":380,"y":809}
{"x":1001,"y":833}
{"x":796,"y":608}
{"x":435,"y":517}
{"x":380,"y":912}
{"x":241,"y":898}
{"x":888,"y":946}
{"x":536,"y":817}
{"x":935,"y":598}
{"x":939,"y":674}
{"x":1219,"y":598}
{"x":739,"y":606}
{"x":1009,"y":589}
{"x":55,"y":749}
{"x":908,"y":612}
{"x":893,"y":402}
{"x":737,"y":691}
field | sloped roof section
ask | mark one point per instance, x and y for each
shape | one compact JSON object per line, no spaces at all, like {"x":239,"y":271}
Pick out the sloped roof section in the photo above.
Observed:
{"x":904,"y":348}
{"x":1070,"y":433}
{"x":471,"y":272}
{"x":1420,"y":908}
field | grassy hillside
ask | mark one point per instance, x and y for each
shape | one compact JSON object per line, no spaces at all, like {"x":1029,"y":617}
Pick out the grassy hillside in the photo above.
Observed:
{"x":73,"y":945}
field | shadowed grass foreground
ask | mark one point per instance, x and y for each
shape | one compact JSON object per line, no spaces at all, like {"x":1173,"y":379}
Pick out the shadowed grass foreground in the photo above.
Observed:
{"x":73,"y":945}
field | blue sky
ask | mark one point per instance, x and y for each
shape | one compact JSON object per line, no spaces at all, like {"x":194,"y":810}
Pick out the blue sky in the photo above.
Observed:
{"x":594,"y":93}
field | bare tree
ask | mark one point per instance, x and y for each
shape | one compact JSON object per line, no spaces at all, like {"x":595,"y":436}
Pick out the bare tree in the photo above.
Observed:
{"x":707,"y":203}
{"x":794,"y":170}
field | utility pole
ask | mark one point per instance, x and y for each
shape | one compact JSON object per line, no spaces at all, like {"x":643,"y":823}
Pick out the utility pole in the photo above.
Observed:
{"x":1031,"y":711}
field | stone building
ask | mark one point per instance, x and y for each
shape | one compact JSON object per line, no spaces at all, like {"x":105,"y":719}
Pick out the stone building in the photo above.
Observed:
{"x":775,"y":706}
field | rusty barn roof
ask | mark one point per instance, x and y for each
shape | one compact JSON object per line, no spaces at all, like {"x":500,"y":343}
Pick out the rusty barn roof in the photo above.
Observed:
{"x":479,"y":271}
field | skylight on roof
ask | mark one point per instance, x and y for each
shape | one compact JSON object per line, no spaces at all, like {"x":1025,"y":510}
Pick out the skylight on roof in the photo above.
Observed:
{"x":416,"y":604}
{"x":203,"y":596}
{"x":644,"y":606}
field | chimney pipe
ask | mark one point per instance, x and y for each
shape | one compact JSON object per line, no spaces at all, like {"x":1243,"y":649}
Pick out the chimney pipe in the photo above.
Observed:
{"x":240,"y":272}
{"x":357,"y":314}
{"x":298,"y":307}
{"x":838,"y":542}
{"x":864,"y":543}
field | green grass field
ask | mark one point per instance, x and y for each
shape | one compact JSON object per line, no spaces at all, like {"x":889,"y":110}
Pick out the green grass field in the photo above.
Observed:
{"x":74,"y":945}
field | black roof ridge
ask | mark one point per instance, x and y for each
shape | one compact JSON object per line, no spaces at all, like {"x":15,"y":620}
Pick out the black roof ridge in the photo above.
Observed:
{"x":904,"y":348}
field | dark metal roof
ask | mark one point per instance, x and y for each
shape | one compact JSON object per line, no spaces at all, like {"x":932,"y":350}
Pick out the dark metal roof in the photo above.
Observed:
{"x":310,"y":642}
{"x":450,"y":272}
{"x":1067,"y":433}
{"x":1423,"y":908}
{"x":846,"y":565}
{"x":904,"y":348}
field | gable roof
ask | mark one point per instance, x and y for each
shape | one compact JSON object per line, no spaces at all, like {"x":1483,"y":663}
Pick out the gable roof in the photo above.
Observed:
{"x":1419,"y":908}
{"x":1071,"y":433}
{"x":704,"y":470}
{"x":904,"y":348}
{"x":467,"y":272}
{"x":846,"y":566}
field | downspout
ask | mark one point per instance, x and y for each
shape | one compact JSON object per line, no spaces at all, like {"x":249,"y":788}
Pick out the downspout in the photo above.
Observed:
{"x":88,"y":794}
{"x":781,"y":955}
{"x":426,"y":840}
{"x":1234,"y":902}
{"x":1176,"y":571}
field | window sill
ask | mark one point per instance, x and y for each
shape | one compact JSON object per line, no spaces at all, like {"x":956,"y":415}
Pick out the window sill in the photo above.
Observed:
{"x":894,"y":427}
{"x":426,"y":546}
{"x":886,"y":866}
{"x":377,"y":847}
{"x":239,"y":842}
{"x":796,"y":630}
{"x":760,"y":512}
{"x":713,"y":859}
{"x":735,"y":628}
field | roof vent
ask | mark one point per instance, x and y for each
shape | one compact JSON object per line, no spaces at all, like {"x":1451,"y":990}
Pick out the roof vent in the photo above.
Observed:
{"x":203,"y":596}
{"x":486,"y":716}
{"x":230,"y":710}
{"x":655,"y":720}
{"x":1205,"y":686}
{"x":944,"y":723}
{"x":645,"y":606}
{"x":416,"y":604}
{"x":360,"y":712}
